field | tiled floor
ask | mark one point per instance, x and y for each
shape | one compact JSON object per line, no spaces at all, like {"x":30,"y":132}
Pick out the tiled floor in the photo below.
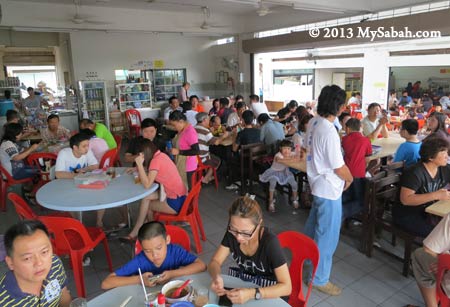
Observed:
{"x":375,"y":281}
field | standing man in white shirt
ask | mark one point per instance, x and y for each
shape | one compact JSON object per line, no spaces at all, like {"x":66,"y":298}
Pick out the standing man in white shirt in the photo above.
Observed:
{"x":183,"y":92}
{"x":76,"y":159}
{"x":328,"y":177}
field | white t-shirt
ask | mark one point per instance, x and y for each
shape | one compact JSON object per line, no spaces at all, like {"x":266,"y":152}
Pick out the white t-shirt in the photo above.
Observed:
{"x":368,"y":126}
{"x":190,"y":116}
{"x":259,"y":108}
{"x":323,"y":156}
{"x":67,"y":162}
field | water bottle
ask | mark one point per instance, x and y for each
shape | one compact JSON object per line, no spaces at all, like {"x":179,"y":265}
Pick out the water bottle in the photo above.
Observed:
{"x":169,"y":147}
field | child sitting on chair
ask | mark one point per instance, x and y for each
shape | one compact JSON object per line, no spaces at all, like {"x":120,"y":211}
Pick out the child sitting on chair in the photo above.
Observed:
{"x":280,"y":173}
{"x":158,"y":257}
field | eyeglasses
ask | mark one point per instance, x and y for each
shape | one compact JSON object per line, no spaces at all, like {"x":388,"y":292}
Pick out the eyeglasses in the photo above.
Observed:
{"x":243,"y":234}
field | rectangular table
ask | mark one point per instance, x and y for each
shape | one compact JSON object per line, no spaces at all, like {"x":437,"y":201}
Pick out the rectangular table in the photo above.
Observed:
{"x":439,"y":208}
{"x":388,"y":146}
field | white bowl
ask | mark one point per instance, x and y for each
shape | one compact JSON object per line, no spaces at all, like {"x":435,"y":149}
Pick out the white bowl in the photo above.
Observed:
{"x":176,"y":284}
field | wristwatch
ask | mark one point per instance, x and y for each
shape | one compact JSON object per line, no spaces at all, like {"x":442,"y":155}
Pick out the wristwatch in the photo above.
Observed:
{"x":257,"y":294}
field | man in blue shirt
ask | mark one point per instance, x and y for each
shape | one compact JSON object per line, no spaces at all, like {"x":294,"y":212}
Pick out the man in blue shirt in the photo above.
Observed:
{"x":158,"y":257}
{"x":271,"y":131}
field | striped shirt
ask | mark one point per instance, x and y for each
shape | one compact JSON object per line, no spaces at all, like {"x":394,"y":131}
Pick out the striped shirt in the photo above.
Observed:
{"x":12,"y":296}
{"x":204,"y":137}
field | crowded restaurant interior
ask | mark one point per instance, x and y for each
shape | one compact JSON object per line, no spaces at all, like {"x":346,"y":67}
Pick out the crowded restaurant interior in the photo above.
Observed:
{"x":224,"y":153}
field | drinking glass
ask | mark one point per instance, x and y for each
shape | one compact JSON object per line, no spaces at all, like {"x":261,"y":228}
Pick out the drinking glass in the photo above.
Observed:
{"x":201,"y":297}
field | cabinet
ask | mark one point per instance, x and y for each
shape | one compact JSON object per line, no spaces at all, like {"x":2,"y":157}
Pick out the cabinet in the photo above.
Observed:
{"x":134,"y":95}
{"x":167,"y":82}
{"x":15,"y":92}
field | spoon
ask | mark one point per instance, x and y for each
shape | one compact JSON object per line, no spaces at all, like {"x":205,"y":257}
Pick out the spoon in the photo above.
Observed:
{"x":177,"y":292}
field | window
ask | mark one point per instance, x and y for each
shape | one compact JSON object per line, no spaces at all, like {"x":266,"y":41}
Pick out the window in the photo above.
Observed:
{"x":226,"y":40}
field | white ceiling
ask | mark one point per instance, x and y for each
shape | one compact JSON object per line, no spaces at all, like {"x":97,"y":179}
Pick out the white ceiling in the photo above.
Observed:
{"x":233,"y":16}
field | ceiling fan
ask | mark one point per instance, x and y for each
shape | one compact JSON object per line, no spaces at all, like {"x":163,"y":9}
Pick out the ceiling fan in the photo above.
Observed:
{"x":206,"y":24}
{"x":80,"y":19}
{"x":262,"y":9}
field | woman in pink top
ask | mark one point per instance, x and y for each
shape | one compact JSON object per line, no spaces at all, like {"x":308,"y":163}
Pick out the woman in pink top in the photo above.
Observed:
{"x":186,"y":146}
{"x":163,"y":171}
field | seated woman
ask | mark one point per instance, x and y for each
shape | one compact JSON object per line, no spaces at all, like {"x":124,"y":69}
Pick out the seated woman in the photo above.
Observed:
{"x":12,"y":155}
{"x":257,"y":253}
{"x":421,"y":185}
{"x":163,"y":171}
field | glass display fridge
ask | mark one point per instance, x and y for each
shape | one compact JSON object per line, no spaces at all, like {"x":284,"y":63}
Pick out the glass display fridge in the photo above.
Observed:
{"x":93,"y":104}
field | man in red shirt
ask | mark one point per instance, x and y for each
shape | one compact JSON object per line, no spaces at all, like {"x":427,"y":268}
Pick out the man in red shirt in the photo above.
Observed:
{"x":356,"y":148}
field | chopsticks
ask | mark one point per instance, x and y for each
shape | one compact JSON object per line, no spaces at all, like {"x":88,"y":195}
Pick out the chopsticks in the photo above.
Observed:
{"x":126,"y":301}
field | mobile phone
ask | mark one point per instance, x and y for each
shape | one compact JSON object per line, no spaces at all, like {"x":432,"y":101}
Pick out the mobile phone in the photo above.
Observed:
{"x":154,"y":278}
{"x":225,"y":301}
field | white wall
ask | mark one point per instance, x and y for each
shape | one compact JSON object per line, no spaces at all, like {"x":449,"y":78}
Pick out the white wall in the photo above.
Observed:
{"x":104,"y":52}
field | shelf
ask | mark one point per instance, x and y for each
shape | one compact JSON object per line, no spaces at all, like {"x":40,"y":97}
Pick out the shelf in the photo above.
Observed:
{"x":125,"y":93}
{"x":135,"y":100}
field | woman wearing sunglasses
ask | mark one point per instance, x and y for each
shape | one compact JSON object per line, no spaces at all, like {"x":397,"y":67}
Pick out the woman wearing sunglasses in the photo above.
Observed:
{"x":257,"y":253}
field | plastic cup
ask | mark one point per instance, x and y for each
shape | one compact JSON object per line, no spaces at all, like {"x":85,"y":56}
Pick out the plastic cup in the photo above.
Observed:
{"x":201,"y":297}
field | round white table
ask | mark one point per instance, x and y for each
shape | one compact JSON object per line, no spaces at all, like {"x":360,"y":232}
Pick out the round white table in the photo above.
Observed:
{"x":116,"y":296}
{"x":64,"y":195}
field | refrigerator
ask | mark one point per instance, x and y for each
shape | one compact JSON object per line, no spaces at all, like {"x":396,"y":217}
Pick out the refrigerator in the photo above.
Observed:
{"x":93,"y":103}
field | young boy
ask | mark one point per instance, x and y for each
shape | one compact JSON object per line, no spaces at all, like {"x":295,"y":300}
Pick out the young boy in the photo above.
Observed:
{"x":356,"y":148}
{"x":409,"y":151}
{"x":158,"y":257}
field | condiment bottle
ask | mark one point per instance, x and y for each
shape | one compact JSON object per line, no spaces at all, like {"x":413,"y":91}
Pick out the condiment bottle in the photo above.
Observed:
{"x":161,"y":300}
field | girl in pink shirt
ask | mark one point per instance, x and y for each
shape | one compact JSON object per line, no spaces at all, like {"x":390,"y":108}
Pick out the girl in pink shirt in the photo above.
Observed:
{"x":163,"y":171}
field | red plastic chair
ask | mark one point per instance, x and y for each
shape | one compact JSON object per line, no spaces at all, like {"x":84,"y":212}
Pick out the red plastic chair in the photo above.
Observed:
{"x":177,"y":236}
{"x":302,"y":248}
{"x":109,"y":158}
{"x":35,"y":159}
{"x":134,"y":122}
{"x":189,"y":213}
{"x":202,"y":167}
{"x":443,"y":266}
{"x":25,"y":212}
{"x":78,"y":240}
{"x":6,"y":180}
{"x":118,"y":139}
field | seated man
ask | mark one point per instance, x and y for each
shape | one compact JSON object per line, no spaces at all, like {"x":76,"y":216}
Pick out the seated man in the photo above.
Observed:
{"x":373,"y":124}
{"x":100,"y":130}
{"x":256,"y":106}
{"x":196,"y":106}
{"x":36,"y":277}
{"x":424,"y":262}
{"x":158,"y":257}
{"x":285,"y":114}
{"x":206,"y":138}
{"x":224,"y":110}
{"x":271,"y":133}
{"x":408,"y":151}
{"x":174,"y":105}
{"x":76,"y":159}
{"x":356,"y":148}
{"x":54,"y":131}
{"x":421,"y":185}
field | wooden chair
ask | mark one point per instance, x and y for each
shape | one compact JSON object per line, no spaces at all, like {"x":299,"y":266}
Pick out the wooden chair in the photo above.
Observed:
{"x":134,"y":122}
{"x":384,"y":194}
{"x":251,"y":164}
{"x":189,"y":213}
